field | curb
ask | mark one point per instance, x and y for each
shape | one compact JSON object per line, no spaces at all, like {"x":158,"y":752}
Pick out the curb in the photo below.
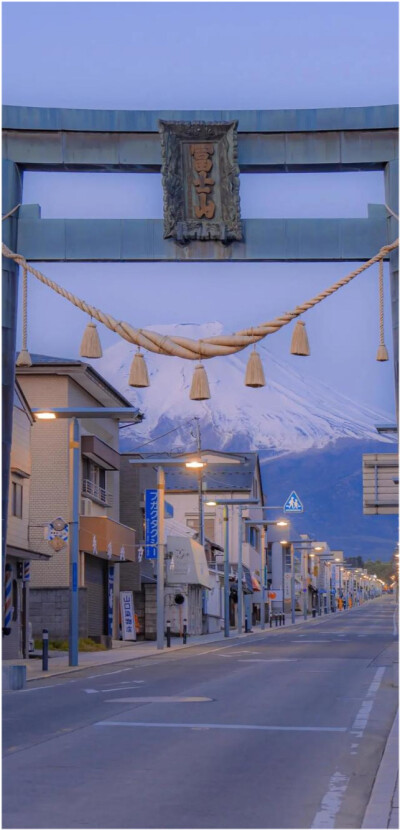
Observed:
{"x":158,"y":653}
{"x":379,"y":807}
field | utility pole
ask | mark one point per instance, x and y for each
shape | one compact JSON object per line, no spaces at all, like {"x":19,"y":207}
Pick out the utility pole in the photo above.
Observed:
{"x":201,"y":506}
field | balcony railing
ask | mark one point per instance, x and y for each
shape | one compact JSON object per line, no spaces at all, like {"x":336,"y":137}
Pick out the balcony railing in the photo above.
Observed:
{"x":93,"y":491}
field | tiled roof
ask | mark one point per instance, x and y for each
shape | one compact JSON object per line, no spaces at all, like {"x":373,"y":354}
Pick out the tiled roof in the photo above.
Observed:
{"x":216,"y":478}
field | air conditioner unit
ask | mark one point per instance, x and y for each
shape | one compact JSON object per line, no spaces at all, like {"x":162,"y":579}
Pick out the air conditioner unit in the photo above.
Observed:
{"x":86,"y":507}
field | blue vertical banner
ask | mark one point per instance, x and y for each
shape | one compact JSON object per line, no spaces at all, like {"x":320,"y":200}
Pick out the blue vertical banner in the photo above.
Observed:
{"x":151,"y":519}
{"x":110,"y":601}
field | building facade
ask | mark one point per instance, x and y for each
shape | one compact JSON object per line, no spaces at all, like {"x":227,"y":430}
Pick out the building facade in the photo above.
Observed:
{"x":105,"y":544}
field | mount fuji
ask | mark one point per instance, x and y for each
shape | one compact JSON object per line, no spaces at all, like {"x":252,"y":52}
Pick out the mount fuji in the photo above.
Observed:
{"x":290,"y":414}
{"x":309,"y":437}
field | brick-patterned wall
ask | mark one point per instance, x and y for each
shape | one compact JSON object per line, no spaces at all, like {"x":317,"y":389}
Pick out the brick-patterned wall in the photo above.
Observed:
{"x":150,"y":612}
{"x":49,"y":608}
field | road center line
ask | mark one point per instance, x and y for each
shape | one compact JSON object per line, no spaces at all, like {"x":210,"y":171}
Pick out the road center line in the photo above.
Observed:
{"x":222,"y":726}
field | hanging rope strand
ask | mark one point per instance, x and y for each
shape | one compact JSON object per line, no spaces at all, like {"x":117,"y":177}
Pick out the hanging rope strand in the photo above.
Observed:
{"x":24,"y":358}
{"x":210,"y":346}
{"x":381,"y":322}
{"x":382,"y":353}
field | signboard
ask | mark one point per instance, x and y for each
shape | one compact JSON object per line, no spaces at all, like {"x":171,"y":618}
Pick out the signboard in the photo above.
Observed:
{"x":200,"y":176}
{"x":275,"y":595}
{"x":151,"y":520}
{"x":57,"y":533}
{"x":27,"y":571}
{"x":287,"y":586}
{"x":127,"y":615}
{"x":293,"y":504}
{"x":110,"y":601}
{"x":380,"y":483}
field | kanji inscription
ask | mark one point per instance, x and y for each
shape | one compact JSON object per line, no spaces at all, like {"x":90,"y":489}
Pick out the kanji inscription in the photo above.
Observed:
{"x":201,"y":181}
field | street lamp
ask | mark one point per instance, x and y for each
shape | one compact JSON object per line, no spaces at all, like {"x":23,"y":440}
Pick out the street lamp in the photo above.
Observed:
{"x":240,"y":503}
{"x":125,"y":414}
{"x":264,"y":524}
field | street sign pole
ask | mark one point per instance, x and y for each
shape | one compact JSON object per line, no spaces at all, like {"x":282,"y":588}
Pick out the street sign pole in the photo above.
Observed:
{"x":160,"y":557}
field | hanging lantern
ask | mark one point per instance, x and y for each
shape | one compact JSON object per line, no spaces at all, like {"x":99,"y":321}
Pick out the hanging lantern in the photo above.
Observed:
{"x":138,"y":375}
{"x":200,"y":390}
{"x":91,"y":346}
{"x":254,"y":371}
{"x":382,"y":353}
{"x":24,"y":358}
{"x":300,"y":344}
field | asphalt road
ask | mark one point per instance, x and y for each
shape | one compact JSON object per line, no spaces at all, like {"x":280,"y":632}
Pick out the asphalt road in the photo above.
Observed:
{"x":283,"y":730}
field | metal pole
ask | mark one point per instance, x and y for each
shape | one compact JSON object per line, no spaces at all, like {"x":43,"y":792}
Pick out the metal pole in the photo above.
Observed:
{"x":292,"y":582}
{"x":12,"y":196}
{"x":304,"y":561}
{"x":226,"y":572}
{"x":240,"y":570}
{"x":74,"y":453}
{"x":45,"y":650}
{"x":160,"y":556}
{"x":262,"y":609}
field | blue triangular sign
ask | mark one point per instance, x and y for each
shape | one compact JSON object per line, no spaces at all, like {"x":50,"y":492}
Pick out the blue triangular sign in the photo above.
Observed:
{"x":293,"y":504}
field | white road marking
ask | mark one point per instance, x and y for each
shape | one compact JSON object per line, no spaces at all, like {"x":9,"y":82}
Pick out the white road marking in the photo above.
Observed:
{"x":91,"y":691}
{"x":270,"y":660}
{"x":331,"y":801}
{"x":107,"y":674}
{"x":364,"y":711}
{"x":160,"y":699}
{"x":41,"y":688}
{"x":222,"y":726}
{"x":312,"y":641}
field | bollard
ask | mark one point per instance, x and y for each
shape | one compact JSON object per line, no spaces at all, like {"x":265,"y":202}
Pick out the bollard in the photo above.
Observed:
{"x":270,"y":620}
{"x":280,"y":619}
{"x":45,"y":650}
{"x":283,"y":618}
{"x":276,"y":621}
{"x":168,"y":634}
{"x":184,"y":631}
{"x":246,"y":625}
{"x":314,"y":613}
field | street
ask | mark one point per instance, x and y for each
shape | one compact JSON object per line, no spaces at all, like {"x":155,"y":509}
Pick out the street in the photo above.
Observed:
{"x":278,"y":730}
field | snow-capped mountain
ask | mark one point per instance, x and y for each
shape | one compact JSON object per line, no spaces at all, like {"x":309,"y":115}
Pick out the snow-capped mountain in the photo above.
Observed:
{"x":291,"y":414}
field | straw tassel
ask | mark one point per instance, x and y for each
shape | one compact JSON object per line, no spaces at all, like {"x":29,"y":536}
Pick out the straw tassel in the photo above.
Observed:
{"x":300,"y":344}
{"x":24,"y":358}
{"x":254,"y":371}
{"x":200,"y":390}
{"x":382,"y":353}
{"x":91,"y":346}
{"x":138,"y":375}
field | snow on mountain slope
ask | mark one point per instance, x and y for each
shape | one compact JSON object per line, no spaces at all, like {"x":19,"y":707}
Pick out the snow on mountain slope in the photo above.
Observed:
{"x":290,"y":414}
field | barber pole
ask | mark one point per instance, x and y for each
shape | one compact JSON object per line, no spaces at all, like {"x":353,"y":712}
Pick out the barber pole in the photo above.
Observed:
{"x":8,"y":609}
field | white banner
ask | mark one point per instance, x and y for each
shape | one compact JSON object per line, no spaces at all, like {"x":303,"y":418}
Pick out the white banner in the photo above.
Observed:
{"x":127,"y":615}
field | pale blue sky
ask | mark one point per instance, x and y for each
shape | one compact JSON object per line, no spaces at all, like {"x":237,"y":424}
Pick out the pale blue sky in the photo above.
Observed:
{"x":210,"y":55}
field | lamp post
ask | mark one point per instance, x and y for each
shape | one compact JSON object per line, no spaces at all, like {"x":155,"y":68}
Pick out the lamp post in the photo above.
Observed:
{"x":264,"y":572}
{"x":159,"y":462}
{"x":125,"y":414}
{"x":240,"y":503}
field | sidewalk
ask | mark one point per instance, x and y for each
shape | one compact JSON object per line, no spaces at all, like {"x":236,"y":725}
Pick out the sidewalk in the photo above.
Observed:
{"x":123,"y":651}
{"x":383,"y":806}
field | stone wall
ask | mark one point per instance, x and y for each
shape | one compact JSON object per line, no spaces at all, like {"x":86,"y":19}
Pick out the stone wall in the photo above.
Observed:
{"x":49,"y":608}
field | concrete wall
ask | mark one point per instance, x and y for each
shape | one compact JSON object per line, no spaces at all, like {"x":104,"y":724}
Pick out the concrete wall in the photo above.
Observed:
{"x":49,"y":608}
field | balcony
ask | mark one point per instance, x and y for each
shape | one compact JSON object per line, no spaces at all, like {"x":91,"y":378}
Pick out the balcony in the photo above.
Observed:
{"x":98,"y":494}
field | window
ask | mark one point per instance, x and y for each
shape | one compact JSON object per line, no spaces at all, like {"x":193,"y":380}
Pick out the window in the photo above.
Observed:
{"x":209,"y":526}
{"x":16,"y":500}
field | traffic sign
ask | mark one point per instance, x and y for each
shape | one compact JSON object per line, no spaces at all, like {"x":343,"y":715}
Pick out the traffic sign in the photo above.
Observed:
{"x":293,"y":504}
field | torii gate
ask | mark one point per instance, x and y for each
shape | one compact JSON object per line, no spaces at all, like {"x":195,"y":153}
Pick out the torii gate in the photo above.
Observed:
{"x":325,"y":140}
